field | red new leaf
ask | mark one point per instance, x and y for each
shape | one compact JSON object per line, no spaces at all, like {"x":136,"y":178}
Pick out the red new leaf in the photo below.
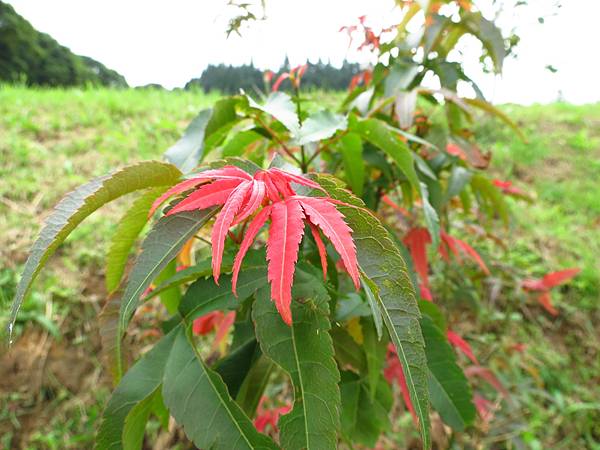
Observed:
{"x":454,"y":244}
{"x":222,"y":224}
{"x":320,"y":247}
{"x":241,"y":196}
{"x":462,"y":345}
{"x":227,"y":172}
{"x":555,"y":278}
{"x":212,"y":194}
{"x":543,"y":286}
{"x":416,"y":240}
{"x":393,"y":372}
{"x":285,"y":235}
{"x":487,"y":375}
{"x":325,"y":215}
{"x":251,"y":233}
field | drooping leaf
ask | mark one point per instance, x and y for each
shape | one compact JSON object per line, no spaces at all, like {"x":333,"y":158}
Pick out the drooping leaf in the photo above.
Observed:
{"x":364,"y":418}
{"x":234,"y":367}
{"x":79,"y":204}
{"x":490,"y":197}
{"x":449,"y":390}
{"x":108,"y":327}
{"x":169,"y":297}
{"x":128,"y":229}
{"x":254,"y":385}
{"x":224,"y":220}
{"x":305,"y":351}
{"x":375,"y":352}
{"x":382,"y":136}
{"x":370,"y":289}
{"x":457,"y":341}
{"x":489,"y":35}
{"x":198,"y":399}
{"x":161,"y":245}
{"x":187,"y":152}
{"x":281,"y":107}
{"x":325,"y":215}
{"x":382,"y":263}
{"x":431,"y":216}
{"x":138,"y":384}
{"x":350,"y":147}
{"x":221,"y":120}
{"x":319,"y":126}
{"x":459,"y":178}
{"x":285,"y":234}
{"x":491,"y":109}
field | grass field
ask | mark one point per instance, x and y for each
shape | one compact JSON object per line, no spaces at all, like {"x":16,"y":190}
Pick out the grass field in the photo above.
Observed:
{"x":52,"y":387}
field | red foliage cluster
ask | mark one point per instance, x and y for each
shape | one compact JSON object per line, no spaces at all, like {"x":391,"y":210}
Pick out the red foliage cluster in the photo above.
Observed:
{"x":241,"y":196}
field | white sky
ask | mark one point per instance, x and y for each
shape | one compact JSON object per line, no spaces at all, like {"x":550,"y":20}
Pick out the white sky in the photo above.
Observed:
{"x":170,"y":42}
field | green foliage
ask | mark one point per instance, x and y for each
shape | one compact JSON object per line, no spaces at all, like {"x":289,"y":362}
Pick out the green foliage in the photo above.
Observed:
{"x":34,"y":57}
{"x":328,"y":357}
{"x":305,"y":352}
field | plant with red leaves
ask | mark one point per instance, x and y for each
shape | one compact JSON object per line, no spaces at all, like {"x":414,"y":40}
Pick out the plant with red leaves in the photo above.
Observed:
{"x":413,"y":180}
{"x":270,"y":192}
{"x":543,"y":286}
{"x":267,"y":418}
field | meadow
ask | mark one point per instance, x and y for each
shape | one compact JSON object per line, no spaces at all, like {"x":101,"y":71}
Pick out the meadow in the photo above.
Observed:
{"x":52,"y":386}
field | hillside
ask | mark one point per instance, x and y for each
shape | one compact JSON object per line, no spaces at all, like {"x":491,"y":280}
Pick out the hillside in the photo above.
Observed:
{"x":34,"y":58}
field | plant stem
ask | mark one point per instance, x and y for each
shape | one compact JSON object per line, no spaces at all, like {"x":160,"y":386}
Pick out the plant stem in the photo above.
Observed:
{"x":278,"y":140}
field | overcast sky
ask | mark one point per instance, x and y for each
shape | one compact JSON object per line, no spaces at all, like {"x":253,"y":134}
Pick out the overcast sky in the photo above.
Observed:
{"x":170,"y":42}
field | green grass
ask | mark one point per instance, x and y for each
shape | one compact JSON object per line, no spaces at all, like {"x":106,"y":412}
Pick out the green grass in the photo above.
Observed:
{"x":53,"y":140}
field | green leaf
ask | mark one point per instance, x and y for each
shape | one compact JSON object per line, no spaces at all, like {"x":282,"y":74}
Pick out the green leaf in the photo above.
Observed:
{"x":198,"y":400}
{"x":350,"y":146}
{"x":200,"y":269}
{"x":204,"y":296}
{"x":319,"y":126}
{"x":364,"y":418}
{"x":375,"y":351}
{"x":280,"y":106}
{"x":399,"y":78}
{"x":234,"y":367}
{"x":138,"y":384}
{"x":449,"y":389}
{"x":491,"y":109}
{"x":382,"y":136}
{"x":254,"y":385}
{"x":170,"y":297}
{"x":136,"y":420}
{"x":382,"y":263}
{"x":238,"y":143}
{"x":161,"y":245}
{"x":490,"y":197}
{"x":128,"y":229}
{"x":348,"y":353}
{"x":79,"y":204}
{"x":187,"y":152}
{"x":108,"y":326}
{"x":431,"y":310}
{"x":489,"y":35}
{"x":459,"y":178}
{"x":305,"y":351}
{"x":370,"y":288}
{"x":432,"y":220}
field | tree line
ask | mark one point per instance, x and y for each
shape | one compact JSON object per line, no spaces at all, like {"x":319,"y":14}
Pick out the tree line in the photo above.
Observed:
{"x":230,"y":79}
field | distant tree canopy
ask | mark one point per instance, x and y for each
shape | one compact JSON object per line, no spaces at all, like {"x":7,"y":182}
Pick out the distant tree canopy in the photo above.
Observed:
{"x":230,"y":79}
{"x":35,"y":58}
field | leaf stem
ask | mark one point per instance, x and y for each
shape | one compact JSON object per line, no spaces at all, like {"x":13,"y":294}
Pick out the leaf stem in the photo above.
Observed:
{"x":278,"y":140}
